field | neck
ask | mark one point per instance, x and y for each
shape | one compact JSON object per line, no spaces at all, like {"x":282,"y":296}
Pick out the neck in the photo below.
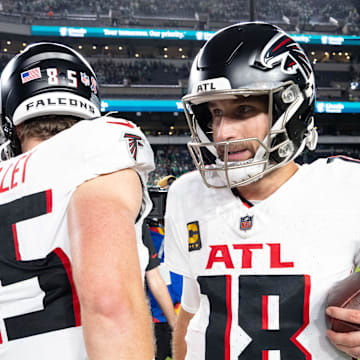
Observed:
{"x":29,"y":143}
{"x":266,"y":186}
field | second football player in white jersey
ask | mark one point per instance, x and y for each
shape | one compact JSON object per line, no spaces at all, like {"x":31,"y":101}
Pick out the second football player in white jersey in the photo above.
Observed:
{"x":71,"y":256}
{"x":259,"y":239}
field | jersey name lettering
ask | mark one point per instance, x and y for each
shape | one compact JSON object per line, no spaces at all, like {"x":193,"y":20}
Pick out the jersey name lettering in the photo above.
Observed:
{"x":14,"y":174}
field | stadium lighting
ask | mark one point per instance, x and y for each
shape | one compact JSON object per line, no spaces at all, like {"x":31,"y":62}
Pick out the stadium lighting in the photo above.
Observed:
{"x":165,"y":56}
{"x":8,"y":42}
{"x":94,"y":47}
{"x":106,"y":47}
{"x":120,"y":48}
{"x":80,"y":47}
{"x":165,"y":49}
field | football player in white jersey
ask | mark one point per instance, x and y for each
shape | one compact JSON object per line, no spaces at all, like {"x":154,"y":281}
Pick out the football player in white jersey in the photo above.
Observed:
{"x":72,"y":202}
{"x":259,"y":239}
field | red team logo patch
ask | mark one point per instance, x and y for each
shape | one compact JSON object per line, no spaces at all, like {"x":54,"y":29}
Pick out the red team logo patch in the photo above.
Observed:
{"x":134,"y":141}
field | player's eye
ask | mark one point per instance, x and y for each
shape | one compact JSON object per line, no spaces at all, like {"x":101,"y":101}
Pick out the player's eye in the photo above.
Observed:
{"x":245,"y":110}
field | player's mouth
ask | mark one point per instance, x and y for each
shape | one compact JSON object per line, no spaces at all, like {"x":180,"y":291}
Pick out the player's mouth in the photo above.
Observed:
{"x":239,"y":155}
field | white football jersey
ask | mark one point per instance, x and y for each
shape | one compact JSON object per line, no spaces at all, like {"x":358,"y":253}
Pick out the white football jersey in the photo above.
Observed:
{"x":39,"y":307}
{"x":263,"y":272}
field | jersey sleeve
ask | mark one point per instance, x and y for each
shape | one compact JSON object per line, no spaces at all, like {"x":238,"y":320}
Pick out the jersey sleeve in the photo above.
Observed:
{"x":114,"y":144}
{"x":190,"y":299}
{"x":108,"y":144}
{"x":176,"y":241}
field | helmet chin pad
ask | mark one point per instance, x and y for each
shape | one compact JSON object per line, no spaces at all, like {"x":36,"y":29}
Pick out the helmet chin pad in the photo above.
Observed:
{"x":226,"y":173}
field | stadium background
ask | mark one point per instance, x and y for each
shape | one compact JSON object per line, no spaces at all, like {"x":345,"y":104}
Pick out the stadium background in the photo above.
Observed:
{"x":141,"y":51}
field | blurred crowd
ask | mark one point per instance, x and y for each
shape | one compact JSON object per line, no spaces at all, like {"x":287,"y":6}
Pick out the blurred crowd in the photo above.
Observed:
{"x":298,"y":11}
{"x":140,"y":72}
{"x":170,"y":159}
{"x":323,"y":151}
{"x":306,"y":11}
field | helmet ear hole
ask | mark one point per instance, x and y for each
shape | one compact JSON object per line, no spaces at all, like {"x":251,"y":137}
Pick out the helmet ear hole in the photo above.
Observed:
{"x":279,"y":143}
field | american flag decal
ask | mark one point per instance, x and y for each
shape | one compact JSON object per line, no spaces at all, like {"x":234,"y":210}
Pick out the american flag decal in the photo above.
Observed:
{"x":30,"y":75}
{"x":133,"y":142}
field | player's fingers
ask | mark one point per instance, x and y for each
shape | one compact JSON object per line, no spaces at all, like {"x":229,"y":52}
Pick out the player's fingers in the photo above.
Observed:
{"x":349,"y":315}
{"x":349,"y":340}
{"x":353,"y":352}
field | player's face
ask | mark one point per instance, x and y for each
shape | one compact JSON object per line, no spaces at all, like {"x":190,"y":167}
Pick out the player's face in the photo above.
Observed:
{"x":241,"y":118}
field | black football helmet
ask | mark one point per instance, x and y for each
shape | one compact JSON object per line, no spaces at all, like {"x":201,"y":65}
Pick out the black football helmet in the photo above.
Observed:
{"x":251,"y":59}
{"x":46,"y":78}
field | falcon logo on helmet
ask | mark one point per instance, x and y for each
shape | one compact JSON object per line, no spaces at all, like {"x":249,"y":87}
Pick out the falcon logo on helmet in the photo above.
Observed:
{"x":283,"y":50}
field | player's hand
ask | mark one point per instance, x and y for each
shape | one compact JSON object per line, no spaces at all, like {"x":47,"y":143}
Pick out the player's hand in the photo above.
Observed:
{"x":349,"y":342}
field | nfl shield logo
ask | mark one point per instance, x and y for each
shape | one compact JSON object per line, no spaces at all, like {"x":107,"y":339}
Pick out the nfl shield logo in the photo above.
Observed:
{"x":246,"y":222}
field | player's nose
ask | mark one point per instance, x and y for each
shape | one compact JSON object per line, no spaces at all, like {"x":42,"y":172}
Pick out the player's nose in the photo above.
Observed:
{"x":228,"y":129}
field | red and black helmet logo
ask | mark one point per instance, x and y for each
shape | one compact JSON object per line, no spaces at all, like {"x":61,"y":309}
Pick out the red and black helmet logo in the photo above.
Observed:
{"x":284,"y":51}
